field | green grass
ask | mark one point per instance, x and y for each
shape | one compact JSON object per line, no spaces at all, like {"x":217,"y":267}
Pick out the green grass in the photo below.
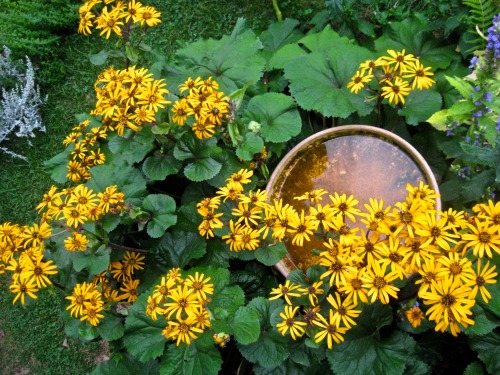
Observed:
{"x":33,"y":335}
{"x":32,"y":339}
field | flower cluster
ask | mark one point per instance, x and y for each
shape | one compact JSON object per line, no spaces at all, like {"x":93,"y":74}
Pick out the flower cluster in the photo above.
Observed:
{"x":203,"y":107}
{"x":363,"y":263}
{"x":183,"y":303}
{"x":88,"y":300}
{"x":128,"y":98}
{"x":22,"y":248}
{"x":115,"y":16}
{"x":394,"y":74}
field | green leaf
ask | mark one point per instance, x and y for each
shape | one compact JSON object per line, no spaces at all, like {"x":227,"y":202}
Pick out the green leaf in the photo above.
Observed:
{"x":246,"y":326}
{"x":264,"y":308}
{"x":484,"y":322}
{"x":252,"y":144}
{"x":132,"y":53}
{"x":99,"y":58}
{"x":57,"y":166}
{"x":87,"y":332}
{"x":323,"y":40}
{"x":94,"y":263}
{"x":111,"y":327}
{"x":128,"y":179}
{"x":372,"y":355}
{"x":143,"y":338}
{"x":178,"y":248}
{"x":278,"y":115}
{"x":279,"y":34}
{"x":127,"y":365}
{"x":475,"y":188}
{"x":302,"y":354}
{"x":284,"y":55}
{"x":420,"y":105}
{"x":191,"y":360}
{"x":462,"y":86}
{"x":268,"y":351}
{"x":133,"y":150}
{"x":210,"y":58}
{"x":162,"y":210}
{"x":475,"y":368}
{"x":229,"y":298}
{"x":202,"y":169}
{"x":157,"y":167}
{"x":230,"y":164}
{"x":488,"y":350}
{"x":323,"y":88}
{"x":271,"y":255}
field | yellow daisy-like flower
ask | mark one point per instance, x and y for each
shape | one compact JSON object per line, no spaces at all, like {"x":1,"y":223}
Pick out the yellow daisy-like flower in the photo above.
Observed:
{"x":36,"y":270}
{"x":359,"y":80}
{"x":203,"y":130}
{"x":414,"y":316}
{"x":286,"y":291}
{"x":419,"y":75}
{"x":257,"y":198}
{"x":202,"y":317}
{"x":337,"y":266}
{"x":345,"y":205}
{"x":74,"y":216}
{"x":289,"y":324}
{"x":250,"y":238}
{"x":133,"y":261}
{"x":162,"y":290}
{"x":456,"y":219}
{"x":81,"y":293}
{"x":436,"y":230}
{"x":455,"y":266}
{"x":312,"y":292}
{"x":321,"y":215}
{"x":183,"y":301}
{"x":330,"y":330}
{"x":190,"y":84}
{"x":22,"y":288}
{"x":370,"y":65}
{"x":180,"y":112}
{"x":313,"y":196}
{"x":352,"y":284}
{"x":200,"y":284}
{"x":399,"y":59}
{"x":378,"y":282}
{"x":36,"y":234}
{"x":129,"y":289}
{"x":183,"y":330}
{"x":153,"y":308}
{"x":108,"y":22}
{"x":149,"y":16}
{"x":246,"y":214}
{"x":430,"y":272}
{"x":92,"y":315}
{"x":343,"y":310}
{"x":448,"y":297}
{"x":483,"y":239}
{"x":233,"y":238}
{"x":396,"y":91}
{"x":482,"y":277}
{"x":301,"y":227}
{"x":490,"y":211}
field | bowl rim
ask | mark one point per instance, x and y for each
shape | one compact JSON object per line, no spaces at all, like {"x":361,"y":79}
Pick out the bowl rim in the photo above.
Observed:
{"x":354,"y":128}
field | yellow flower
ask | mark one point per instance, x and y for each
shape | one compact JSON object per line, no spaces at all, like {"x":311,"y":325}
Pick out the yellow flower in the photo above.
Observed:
{"x":330,"y":330}
{"x":359,"y":80}
{"x":454,"y":266}
{"x":369,"y":248}
{"x":396,"y":91}
{"x":92,"y":315}
{"x":246,"y":214}
{"x":203,"y":130}
{"x":429,"y":271}
{"x":449,"y":298}
{"x":250,"y":238}
{"x":392,"y":255}
{"x":109,"y":21}
{"x":490,"y":211}
{"x":152,"y":95}
{"x":352,"y":284}
{"x":133,"y":261}
{"x":419,"y":74}
{"x":379,"y":283}
{"x":370,"y":65}
{"x":343,"y":311}
{"x":180,"y":112}
{"x":200,"y":285}
{"x":36,"y":234}
{"x":313,"y":196}
{"x":337,"y":266}
{"x":435,"y":230}
{"x":288,"y":290}
{"x":74,"y":216}
{"x":190,"y":84}
{"x":345,"y":205}
{"x":129,"y":290}
{"x":202,"y":317}
{"x":36,"y":270}
{"x":400,"y":60}
{"x":47,"y":199}
{"x":312,"y":291}
{"x":301,"y":227}
{"x":153,"y":307}
{"x":149,"y":15}
{"x":481,"y":278}
{"x":483,"y":239}
{"x":289,"y":323}
{"x":184,"y":300}
{"x":162,"y":290}
{"x":81,"y":293}
{"x":321,"y":215}
{"x":414,"y":316}
{"x":22,"y":288}
{"x":183,"y":330}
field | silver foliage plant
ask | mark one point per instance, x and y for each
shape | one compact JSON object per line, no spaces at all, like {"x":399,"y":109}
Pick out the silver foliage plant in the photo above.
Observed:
{"x":20,"y":103}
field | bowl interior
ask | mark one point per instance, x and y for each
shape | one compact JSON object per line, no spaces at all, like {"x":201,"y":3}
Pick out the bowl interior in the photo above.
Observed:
{"x":364,"y":161}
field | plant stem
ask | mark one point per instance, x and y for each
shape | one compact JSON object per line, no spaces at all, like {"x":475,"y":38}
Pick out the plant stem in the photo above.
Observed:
{"x":277,"y":11}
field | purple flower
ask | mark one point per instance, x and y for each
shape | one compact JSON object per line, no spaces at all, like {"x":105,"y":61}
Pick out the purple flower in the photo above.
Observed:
{"x":492,"y":195}
{"x":449,"y":132}
{"x":487,"y":96}
{"x":477,"y":88}
{"x":477,"y":114}
{"x":477,"y":103}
